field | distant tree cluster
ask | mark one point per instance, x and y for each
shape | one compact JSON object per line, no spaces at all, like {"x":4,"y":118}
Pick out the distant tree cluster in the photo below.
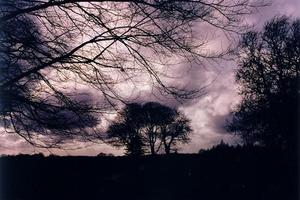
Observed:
{"x":149,"y":128}
{"x":269,"y":79}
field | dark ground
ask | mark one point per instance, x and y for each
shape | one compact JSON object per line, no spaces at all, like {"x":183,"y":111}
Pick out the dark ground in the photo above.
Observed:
{"x":221,"y":173}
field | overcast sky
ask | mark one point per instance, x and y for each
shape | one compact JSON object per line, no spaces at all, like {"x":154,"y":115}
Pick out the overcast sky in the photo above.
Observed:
{"x":207,"y":113}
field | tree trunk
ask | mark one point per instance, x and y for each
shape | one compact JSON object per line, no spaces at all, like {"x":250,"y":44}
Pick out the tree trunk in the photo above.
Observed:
{"x":166,"y":146}
{"x":167,"y":149}
{"x":152,"y":149}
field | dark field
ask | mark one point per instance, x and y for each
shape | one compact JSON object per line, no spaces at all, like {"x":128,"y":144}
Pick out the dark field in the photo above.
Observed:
{"x":221,"y":173}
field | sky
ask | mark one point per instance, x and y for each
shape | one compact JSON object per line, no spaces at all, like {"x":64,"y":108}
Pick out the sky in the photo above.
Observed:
{"x":208,"y":113}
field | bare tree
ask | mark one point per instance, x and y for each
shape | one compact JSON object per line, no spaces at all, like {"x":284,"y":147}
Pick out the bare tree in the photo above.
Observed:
{"x":155,"y":116}
{"x":176,"y":131}
{"x":47,"y":45}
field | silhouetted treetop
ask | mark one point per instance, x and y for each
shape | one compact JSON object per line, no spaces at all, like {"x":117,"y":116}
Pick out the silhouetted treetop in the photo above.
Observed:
{"x":148,"y":127}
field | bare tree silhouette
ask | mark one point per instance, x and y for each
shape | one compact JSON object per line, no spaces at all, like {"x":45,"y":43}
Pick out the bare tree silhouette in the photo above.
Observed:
{"x":156,"y":116}
{"x":46,"y":46}
{"x":33,"y":104}
{"x":177,"y":131}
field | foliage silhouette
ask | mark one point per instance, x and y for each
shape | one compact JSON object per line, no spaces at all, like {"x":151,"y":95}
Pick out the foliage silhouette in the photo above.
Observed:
{"x":49,"y":47}
{"x":269,"y":80}
{"x":147,"y":127}
{"x":178,"y":130}
{"x":125,"y":131}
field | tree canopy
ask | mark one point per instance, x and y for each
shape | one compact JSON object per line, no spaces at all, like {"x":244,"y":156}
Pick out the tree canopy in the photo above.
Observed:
{"x":147,"y":128}
{"x":269,"y":80}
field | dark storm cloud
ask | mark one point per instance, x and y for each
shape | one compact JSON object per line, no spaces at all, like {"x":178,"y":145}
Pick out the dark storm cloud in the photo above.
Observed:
{"x":70,"y":119}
